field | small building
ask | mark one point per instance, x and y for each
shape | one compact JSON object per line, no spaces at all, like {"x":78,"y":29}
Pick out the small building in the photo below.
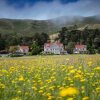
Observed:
{"x":23,"y":49}
{"x":80,"y":49}
{"x":19,"y":49}
{"x":55,"y":48}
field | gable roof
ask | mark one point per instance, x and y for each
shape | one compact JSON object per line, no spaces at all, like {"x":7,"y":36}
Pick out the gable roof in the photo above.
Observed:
{"x":48,"y":45}
{"x":80,"y":46}
{"x":24,"y":47}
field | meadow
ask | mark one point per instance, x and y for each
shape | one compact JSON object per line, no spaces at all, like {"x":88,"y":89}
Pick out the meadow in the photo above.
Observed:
{"x":67,"y":77}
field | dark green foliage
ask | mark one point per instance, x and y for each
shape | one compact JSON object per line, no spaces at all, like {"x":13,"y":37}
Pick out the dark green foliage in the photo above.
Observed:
{"x":98,"y":50}
{"x":40,"y":39}
{"x":35,"y":49}
{"x":97,"y":44}
{"x":70,"y":47}
{"x":89,"y":37}
{"x":91,"y":49}
{"x":2,"y":44}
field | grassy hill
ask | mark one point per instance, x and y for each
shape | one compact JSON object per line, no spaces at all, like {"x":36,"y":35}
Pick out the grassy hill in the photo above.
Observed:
{"x":29,"y":27}
{"x":26,"y":27}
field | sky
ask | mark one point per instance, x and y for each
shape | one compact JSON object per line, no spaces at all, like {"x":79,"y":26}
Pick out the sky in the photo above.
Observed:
{"x":47,"y":9}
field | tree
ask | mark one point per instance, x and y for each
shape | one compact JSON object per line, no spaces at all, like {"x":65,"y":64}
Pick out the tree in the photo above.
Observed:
{"x":44,"y":38}
{"x":90,"y":46}
{"x":97,"y":42}
{"x":40,"y":39}
{"x":70,"y":47}
{"x":98,"y":50}
{"x":2,"y":44}
{"x":63,"y":36}
{"x":35,"y":49}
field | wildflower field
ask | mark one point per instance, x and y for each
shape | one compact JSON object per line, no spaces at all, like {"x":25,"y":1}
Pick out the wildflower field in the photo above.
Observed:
{"x":67,"y":77}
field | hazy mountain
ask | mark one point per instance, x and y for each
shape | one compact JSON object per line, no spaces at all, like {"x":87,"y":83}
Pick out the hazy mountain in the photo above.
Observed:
{"x":78,"y":20}
{"x":29,"y":27}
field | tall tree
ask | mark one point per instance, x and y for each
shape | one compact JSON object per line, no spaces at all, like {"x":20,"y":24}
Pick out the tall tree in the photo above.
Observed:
{"x":40,"y":39}
{"x":70,"y":47}
{"x":35,"y":49}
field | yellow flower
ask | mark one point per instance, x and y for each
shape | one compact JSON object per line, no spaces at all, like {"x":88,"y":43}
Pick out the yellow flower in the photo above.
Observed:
{"x":34,"y":88}
{"x":40,"y":91}
{"x":50,"y":97}
{"x":72,"y":71}
{"x":13,"y":81}
{"x":48,"y":94}
{"x":82,"y":80}
{"x":90,"y":63}
{"x":70,"y":99}
{"x":2,"y":86}
{"x":70,"y":91}
{"x":98,"y":89}
{"x":19,"y":91}
{"x":12,"y":69}
{"x":4,"y":71}
{"x":21,"y":78}
{"x":85,"y":98}
{"x":97,"y":68}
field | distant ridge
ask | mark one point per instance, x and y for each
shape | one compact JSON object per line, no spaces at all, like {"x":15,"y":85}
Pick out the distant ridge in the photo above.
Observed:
{"x":28,"y":27}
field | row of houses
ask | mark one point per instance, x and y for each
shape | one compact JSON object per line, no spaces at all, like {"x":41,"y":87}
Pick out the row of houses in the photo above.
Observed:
{"x":55,"y":48}
{"x":58,"y":48}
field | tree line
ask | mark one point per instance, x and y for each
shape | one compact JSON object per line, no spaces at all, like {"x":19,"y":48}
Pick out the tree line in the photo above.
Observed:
{"x":69,"y":38}
{"x":37,"y":40}
{"x":88,"y":37}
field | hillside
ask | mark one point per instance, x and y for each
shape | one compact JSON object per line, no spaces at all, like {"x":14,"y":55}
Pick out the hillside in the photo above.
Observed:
{"x":29,"y":27}
{"x":25,"y":27}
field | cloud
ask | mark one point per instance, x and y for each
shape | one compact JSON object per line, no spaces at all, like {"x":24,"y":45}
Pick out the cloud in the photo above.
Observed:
{"x":47,"y":10}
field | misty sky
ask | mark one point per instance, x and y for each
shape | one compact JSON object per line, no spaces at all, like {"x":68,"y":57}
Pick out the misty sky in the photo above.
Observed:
{"x":47,"y":9}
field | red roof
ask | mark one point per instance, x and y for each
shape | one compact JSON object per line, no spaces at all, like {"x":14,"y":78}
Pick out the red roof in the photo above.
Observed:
{"x":24,"y":47}
{"x":80,"y":46}
{"x":50,"y":44}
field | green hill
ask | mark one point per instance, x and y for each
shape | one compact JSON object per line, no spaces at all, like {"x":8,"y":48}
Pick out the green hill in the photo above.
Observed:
{"x":26,"y":27}
{"x":29,"y":27}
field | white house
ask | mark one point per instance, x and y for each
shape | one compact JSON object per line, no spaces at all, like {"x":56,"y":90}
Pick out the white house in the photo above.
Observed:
{"x":80,"y":49}
{"x":56,"y":48}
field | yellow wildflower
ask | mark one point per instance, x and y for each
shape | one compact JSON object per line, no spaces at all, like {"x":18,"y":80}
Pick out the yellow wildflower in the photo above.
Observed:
{"x":2,"y":86}
{"x":70,"y":91}
{"x":85,"y":98}
{"x":21,"y":78}
{"x":50,"y":97}
{"x":34,"y":88}
{"x":40,"y":91}
{"x":70,"y":99}
{"x":97,"y":68}
{"x":90,"y":63}
{"x":98,"y":89}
